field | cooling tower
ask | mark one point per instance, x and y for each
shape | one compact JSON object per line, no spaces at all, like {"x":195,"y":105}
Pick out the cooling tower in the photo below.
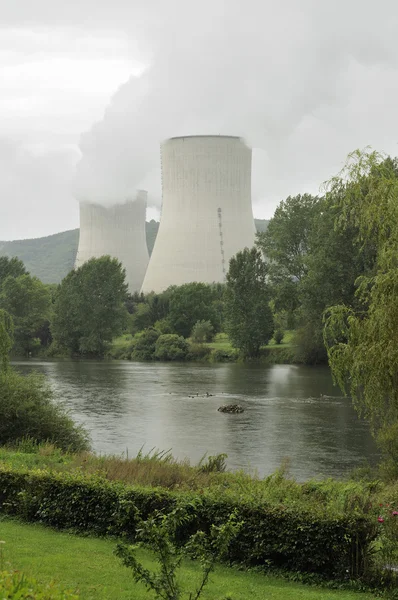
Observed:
{"x":119,"y":231}
{"x":206,"y":212}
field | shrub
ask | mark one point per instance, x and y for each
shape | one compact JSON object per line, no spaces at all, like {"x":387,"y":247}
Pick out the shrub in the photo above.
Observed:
{"x":163,"y":326}
{"x":219,"y":355}
{"x":143,"y":344}
{"x":171,"y":347}
{"x":14,"y":584}
{"x":202,"y":331}
{"x":198,"y":352}
{"x":313,"y":540}
{"x":278,"y":336}
{"x":28,"y":409}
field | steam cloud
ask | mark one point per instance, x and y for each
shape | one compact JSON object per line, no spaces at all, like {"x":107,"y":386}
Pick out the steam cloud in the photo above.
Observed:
{"x":264,"y":70}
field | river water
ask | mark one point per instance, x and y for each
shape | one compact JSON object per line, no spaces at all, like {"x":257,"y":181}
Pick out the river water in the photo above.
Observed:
{"x":291,"y":412}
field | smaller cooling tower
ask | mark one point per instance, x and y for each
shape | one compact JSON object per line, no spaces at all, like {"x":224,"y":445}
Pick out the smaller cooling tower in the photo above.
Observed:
{"x":206,"y":211}
{"x":118,"y":231}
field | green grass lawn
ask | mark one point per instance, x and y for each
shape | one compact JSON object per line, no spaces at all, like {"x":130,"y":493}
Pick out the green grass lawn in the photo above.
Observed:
{"x":87,"y":565}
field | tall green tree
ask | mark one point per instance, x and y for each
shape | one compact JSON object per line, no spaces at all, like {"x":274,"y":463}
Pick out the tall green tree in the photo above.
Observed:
{"x":90,"y":310}
{"x":286,"y":244}
{"x":249,"y":321}
{"x":6,"y":339}
{"x":28,"y":301}
{"x":190,"y":303}
{"x":362,"y":340}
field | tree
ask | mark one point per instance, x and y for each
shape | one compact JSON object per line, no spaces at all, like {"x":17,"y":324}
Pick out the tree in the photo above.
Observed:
{"x":249,"y":321}
{"x":286,"y":243}
{"x":190,"y":303}
{"x":6,"y":339}
{"x":171,"y":346}
{"x":202,"y":331}
{"x":28,"y":301}
{"x":89,"y":310}
{"x":11,"y":267}
{"x":362,"y":339}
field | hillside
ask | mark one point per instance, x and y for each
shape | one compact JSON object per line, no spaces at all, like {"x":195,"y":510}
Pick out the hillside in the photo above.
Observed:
{"x":51,"y":258}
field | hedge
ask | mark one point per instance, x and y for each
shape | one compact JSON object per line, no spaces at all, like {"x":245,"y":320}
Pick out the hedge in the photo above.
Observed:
{"x":284,"y":537}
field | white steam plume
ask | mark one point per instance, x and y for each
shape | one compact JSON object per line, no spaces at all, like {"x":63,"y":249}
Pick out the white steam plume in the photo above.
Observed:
{"x":261,"y":69}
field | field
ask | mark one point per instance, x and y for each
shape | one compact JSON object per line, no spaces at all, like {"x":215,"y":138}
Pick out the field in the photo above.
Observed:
{"x":88,"y":565}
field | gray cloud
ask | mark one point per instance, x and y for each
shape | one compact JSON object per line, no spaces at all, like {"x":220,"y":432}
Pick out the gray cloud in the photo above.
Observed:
{"x":265,"y":70}
{"x":304,"y":82}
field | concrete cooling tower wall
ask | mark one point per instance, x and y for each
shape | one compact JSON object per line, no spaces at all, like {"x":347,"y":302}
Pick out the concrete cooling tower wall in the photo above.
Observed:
{"x":119,"y":231}
{"x":206,"y":213}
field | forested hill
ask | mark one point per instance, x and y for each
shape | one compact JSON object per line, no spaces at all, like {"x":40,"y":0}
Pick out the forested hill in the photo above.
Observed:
{"x":51,"y":258}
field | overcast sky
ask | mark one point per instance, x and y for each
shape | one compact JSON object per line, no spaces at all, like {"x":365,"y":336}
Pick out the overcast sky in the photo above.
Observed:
{"x":89,"y":88}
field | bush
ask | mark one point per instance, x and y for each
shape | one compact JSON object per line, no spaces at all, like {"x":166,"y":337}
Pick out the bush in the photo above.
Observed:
{"x":202,"y":331}
{"x":198,"y":352}
{"x":143,"y":344}
{"x":14,"y":584}
{"x":171,"y":347}
{"x":316,"y":540}
{"x":219,"y":355}
{"x":278,"y":336}
{"x":163,"y":326}
{"x":28,"y":409}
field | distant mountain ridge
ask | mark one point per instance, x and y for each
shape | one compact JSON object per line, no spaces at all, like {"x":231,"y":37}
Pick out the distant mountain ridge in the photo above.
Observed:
{"x":51,"y":258}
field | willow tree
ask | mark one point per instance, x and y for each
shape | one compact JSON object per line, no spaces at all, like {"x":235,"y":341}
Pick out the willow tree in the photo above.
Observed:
{"x":6,"y":339}
{"x":363,"y":343}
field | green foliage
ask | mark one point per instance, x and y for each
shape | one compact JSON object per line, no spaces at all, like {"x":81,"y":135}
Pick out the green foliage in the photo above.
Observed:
{"x":249,"y":321}
{"x":361,"y":339}
{"x":278,"y":336}
{"x":28,"y":301}
{"x":14,"y":585}
{"x":159,"y":533}
{"x":11,"y":267}
{"x":141,"y":318}
{"x":202,"y":331}
{"x":198,"y":352}
{"x":190,"y":303}
{"x":89,"y":309}
{"x":170,"y":346}
{"x":163,"y":326}
{"x":224,"y":355}
{"x":28,"y":409}
{"x":282,"y":533}
{"x":286,"y":243}
{"x":144,"y":344}
{"x":214,"y":464}
{"x":6,"y":339}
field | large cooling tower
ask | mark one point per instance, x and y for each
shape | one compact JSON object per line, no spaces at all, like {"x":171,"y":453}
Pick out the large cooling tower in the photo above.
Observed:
{"x":119,"y":231}
{"x":206,"y":213}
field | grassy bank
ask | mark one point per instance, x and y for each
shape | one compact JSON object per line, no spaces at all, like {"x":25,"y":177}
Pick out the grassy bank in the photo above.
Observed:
{"x":164,"y":471}
{"x":219,"y":350}
{"x":88,"y":566}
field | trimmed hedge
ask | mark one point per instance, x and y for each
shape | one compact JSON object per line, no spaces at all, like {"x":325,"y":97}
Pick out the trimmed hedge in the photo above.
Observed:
{"x":283,"y":537}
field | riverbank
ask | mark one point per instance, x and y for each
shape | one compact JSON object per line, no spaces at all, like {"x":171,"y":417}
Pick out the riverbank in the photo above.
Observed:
{"x":219,"y":350}
{"x":320,"y":529}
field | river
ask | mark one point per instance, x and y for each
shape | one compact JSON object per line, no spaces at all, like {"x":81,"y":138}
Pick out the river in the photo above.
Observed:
{"x":290,"y":411}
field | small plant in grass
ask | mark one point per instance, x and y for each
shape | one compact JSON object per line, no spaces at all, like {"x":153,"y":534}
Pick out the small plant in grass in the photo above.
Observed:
{"x":15,"y":585}
{"x":278,"y":336}
{"x":214,"y":464}
{"x":388,"y":538}
{"x":159,"y":532}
